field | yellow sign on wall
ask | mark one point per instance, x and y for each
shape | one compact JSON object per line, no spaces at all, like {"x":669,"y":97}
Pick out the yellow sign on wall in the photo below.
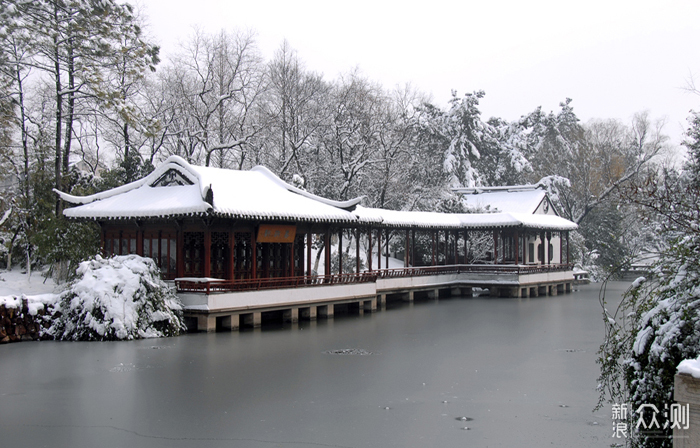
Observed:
{"x":271,"y":233}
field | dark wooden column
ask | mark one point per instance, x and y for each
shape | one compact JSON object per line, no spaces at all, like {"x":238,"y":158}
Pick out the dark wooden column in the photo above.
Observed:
{"x":516,"y":241}
{"x":327,"y":251}
{"x":413,"y":247}
{"x":369,"y":252}
{"x":561,"y":247}
{"x":291,"y":259}
{"x":387,"y":249}
{"x":466,"y":245}
{"x":340,"y":251}
{"x":254,"y":254}
{"x":180,"y":251}
{"x":568,"y":252}
{"x":544,"y":248}
{"x":231,"y":254}
{"x":379,"y":248}
{"x":434,"y":260}
{"x":406,"y":254}
{"x":495,"y":247}
{"x":357,"y":251}
{"x":456,"y":237}
{"x":207,"y":252}
{"x":308,"y":253}
{"x":139,"y":242}
{"x":548,"y":256}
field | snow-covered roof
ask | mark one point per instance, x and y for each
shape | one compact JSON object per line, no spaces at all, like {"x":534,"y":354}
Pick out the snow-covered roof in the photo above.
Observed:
{"x":406,"y":219}
{"x":517,"y":201}
{"x":177,"y":188}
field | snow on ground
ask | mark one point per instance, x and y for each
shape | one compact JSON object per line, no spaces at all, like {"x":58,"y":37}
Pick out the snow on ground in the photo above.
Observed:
{"x":14,"y":283}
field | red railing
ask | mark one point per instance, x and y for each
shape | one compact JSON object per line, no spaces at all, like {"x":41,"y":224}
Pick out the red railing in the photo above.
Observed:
{"x":209,"y":286}
{"x":467,"y":268}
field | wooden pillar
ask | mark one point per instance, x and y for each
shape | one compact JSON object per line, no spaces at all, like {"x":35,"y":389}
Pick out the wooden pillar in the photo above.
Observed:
{"x":254,"y":254}
{"x":466,"y":244}
{"x":516,"y":241}
{"x":340,"y":251}
{"x":139,"y":242}
{"x":568,"y":253}
{"x":369,"y":252}
{"x":291,"y":259}
{"x":456,"y":237}
{"x":379,"y":248}
{"x":413,"y":247}
{"x":561,"y":248}
{"x":387,"y":250}
{"x":503,"y":245}
{"x":308,"y":253}
{"x":495,"y":247}
{"x":406,"y":254}
{"x":207,"y":253}
{"x":327,"y":251}
{"x":544,"y":249}
{"x":548,"y":256}
{"x":180,"y":252}
{"x":231,"y":254}
{"x":357,"y":250}
{"x":434,"y":249}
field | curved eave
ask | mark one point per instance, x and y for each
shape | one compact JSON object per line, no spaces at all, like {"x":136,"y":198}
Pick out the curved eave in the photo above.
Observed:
{"x":241,"y":216}
{"x":345,"y":205}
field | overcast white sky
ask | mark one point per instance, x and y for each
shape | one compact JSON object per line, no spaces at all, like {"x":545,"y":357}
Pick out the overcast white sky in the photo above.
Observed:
{"x":612,"y":57}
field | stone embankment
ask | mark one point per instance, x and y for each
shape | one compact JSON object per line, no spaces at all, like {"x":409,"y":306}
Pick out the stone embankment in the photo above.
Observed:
{"x":18,"y":323}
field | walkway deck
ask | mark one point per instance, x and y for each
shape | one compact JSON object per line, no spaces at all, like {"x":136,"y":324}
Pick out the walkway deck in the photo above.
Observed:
{"x":232,"y":304}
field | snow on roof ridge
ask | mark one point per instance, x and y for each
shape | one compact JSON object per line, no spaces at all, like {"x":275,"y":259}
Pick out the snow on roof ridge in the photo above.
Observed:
{"x":463,"y":220}
{"x":159,"y":171}
{"x":274,"y":178}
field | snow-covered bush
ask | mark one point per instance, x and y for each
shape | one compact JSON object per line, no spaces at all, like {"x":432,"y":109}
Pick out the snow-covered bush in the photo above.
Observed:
{"x":116,"y":298}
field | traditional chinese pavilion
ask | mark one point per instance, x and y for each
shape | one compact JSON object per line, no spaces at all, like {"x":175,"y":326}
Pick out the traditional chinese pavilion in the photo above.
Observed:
{"x":223,"y":235}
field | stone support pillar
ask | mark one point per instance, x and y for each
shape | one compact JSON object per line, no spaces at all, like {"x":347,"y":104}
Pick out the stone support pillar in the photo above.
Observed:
{"x":291,"y":315}
{"x":308,"y":313}
{"x":206,"y":323}
{"x":230,"y":322}
{"x":326,"y":311}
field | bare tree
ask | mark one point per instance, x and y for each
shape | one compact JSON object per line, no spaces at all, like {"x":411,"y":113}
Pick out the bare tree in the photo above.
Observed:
{"x":215,"y":84}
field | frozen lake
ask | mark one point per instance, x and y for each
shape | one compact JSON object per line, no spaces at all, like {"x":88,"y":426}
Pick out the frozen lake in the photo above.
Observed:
{"x":521,"y":371}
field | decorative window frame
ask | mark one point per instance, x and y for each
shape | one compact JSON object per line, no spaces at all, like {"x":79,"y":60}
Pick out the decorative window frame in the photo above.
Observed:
{"x":170,"y":178}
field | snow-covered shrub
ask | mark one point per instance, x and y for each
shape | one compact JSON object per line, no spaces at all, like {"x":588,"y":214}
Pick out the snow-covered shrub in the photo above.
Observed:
{"x":655,"y":328}
{"x":116,"y":298}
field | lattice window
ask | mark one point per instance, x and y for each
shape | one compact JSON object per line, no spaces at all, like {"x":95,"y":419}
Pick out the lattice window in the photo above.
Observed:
{"x":193,"y":254}
{"x":243,"y":255}
{"x":219,"y":254}
{"x":162,"y":248}
{"x":120,"y":242}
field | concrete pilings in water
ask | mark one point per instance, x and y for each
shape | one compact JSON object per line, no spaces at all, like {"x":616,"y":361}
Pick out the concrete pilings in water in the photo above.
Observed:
{"x":250,"y":318}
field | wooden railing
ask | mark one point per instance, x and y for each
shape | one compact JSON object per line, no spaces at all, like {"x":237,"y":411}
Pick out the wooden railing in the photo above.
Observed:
{"x":471,"y":268}
{"x":213,"y":285}
{"x":209,"y":286}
